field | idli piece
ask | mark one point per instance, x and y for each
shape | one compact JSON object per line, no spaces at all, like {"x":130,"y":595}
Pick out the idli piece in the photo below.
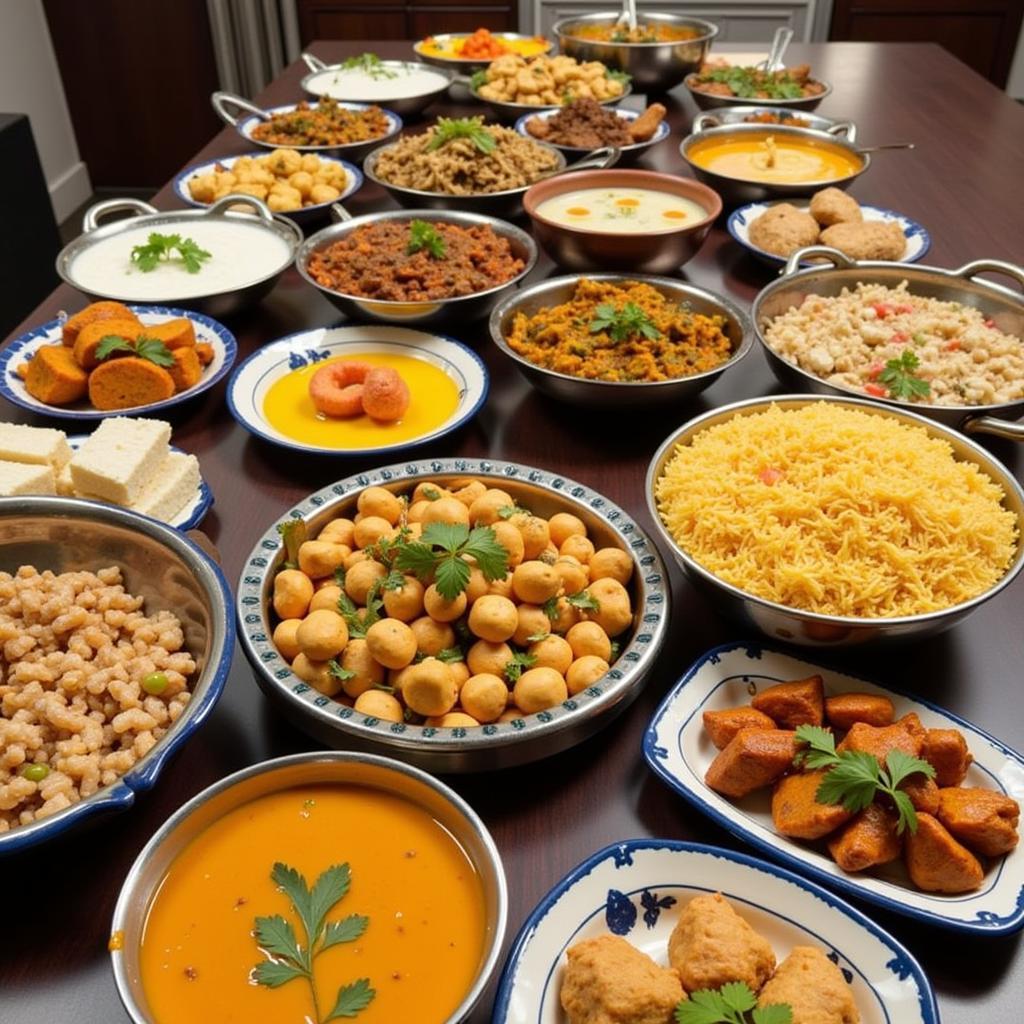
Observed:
{"x":711,"y":945}
{"x":609,"y":981}
{"x":869,"y":240}
{"x":813,"y":987}
{"x":833,"y":206}
{"x":782,"y":229}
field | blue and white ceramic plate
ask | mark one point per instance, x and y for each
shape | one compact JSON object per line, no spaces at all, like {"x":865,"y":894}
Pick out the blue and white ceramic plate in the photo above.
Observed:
{"x":637,"y":888}
{"x":192,"y":513}
{"x":660,"y":135}
{"x":12,"y":387}
{"x":354,"y":181}
{"x":679,"y":752}
{"x":247,"y":390}
{"x":738,"y":224}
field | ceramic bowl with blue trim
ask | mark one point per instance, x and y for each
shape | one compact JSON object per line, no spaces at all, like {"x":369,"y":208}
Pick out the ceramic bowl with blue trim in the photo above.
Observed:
{"x":252,"y":381}
{"x":490,"y":746}
{"x":22,"y":348}
{"x":315,"y":211}
{"x":162,"y":566}
{"x":679,"y":752}
{"x":627,"y":153}
{"x":918,"y":241}
{"x":636,"y":889}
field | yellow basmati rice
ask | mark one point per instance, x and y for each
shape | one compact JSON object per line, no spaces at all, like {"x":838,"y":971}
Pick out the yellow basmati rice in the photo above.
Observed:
{"x":837,"y":511}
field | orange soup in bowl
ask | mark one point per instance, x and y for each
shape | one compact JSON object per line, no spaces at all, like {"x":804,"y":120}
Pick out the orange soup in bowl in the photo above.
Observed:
{"x":311,"y":900}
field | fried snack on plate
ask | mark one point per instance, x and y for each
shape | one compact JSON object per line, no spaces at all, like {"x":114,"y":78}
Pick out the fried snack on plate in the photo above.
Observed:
{"x":981,"y":819}
{"x":846,"y":708}
{"x":94,"y":311}
{"x":54,"y":377}
{"x":946,"y":751}
{"x":813,"y":987}
{"x":782,"y":229}
{"x":796,"y":812}
{"x":936,"y":862}
{"x":867,"y":841}
{"x":753,"y":758}
{"x":187,"y":370}
{"x":721,"y":726}
{"x":128,"y":383}
{"x":833,"y":206}
{"x":871,"y":240}
{"x":176,"y":333}
{"x":800,"y":702}
{"x":90,"y":336}
{"x":906,"y":735}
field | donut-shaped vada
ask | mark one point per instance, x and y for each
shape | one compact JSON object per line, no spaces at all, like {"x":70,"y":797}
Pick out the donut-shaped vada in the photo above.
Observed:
{"x":337,"y":388}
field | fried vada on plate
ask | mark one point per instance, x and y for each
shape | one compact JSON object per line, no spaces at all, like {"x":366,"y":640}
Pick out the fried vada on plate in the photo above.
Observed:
{"x":610,"y":981}
{"x":782,"y":229}
{"x":870,"y":240}
{"x":814,"y":988}
{"x":833,"y":206}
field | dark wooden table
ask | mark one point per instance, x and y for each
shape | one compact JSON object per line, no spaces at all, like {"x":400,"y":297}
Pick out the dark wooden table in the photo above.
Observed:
{"x":962,"y":182}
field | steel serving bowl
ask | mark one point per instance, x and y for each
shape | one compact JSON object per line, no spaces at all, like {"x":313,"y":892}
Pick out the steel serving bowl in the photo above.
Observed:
{"x":497,"y":745}
{"x":507,"y":203}
{"x":1003,"y":306}
{"x":653,"y":67}
{"x":250,"y":116}
{"x":589,"y":248}
{"x":462,"y":307}
{"x":738,"y":115}
{"x":811,"y":629}
{"x":315,"y":768}
{"x":736,"y":191}
{"x":321,"y":82}
{"x":509,"y":113}
{"x":713,"y":101}
{"x":469,"y":65}
{"x":159,"y":564}
{"x":611,"y":394}
{"x":629,"y":154}
{"x":215,"y":304}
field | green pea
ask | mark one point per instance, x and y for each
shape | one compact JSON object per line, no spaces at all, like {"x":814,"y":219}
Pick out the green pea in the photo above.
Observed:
{"x":35,"y":772}
{"x":155,"y":683}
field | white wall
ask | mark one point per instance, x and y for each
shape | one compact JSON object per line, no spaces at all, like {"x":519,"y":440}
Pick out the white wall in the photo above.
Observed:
{"x":30,"y":84}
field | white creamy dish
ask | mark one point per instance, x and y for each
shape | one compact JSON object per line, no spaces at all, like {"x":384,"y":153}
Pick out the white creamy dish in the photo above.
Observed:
{"x":240,"y":254}
{"x":394,"y":83}
{"x":622,"y":211}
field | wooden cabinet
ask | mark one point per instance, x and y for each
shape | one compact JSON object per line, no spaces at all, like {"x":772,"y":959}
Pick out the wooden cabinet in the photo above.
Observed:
{"x":400,"y":19}
{"x":982,"y":33}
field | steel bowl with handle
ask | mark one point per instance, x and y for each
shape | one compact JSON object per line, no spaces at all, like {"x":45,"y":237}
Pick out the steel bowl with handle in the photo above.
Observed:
{"x":321,"y":82}
{"x":807,"y":628}
{"x":618,"y":394}
{"x":506,"y":203}
{"x":739,"y":115}
{"x":463,"y":308}
{"x":736,"y":191}
{"x":238,"y":113}
{"x":714,"y":101}
{"x":215,"y":304}
{"x":326,"y":769}
{"x":159,"y":564}
{"x":1003,"y":306}
{"x":628,"y":154}
{"x":498,"y":744}
{"x":653,"y":67}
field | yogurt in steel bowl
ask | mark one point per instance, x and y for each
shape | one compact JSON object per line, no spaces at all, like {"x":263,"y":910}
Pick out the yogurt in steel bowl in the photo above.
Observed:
{"x":406,"y":87}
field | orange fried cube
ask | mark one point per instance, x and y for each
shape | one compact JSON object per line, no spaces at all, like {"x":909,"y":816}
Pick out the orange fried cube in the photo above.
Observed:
{"x":796,"y":811}
{"x":722,"y":725}
{"x":867,"y":841}
{"x":753,"y":758}
{"x":982,"y":819}
{"x":936,"y":862}
{"x":843,"y":710}
{"x":801,"y":702}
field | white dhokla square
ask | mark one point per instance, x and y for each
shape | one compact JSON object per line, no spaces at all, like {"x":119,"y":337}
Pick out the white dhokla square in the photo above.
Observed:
{"x":41,"y":446}
{"x":65,"y":485}
{"x":172,"y":487}
{"x":120,"y":458}
{"x":25,"y":478}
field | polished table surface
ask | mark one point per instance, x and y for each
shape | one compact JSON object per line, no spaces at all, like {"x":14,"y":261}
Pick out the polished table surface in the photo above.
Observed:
{"x":962,"y":182}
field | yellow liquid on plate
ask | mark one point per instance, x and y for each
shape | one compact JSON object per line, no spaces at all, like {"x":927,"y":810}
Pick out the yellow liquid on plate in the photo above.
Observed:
{"x":289,"y":409}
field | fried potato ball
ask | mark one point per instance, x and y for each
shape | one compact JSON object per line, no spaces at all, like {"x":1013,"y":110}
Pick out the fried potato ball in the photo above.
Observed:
{"x":378,"y":704}
{"x":531,"y":622}
{"x":484,"y":511}
{"x":429,"y":688}
{"x":441,"y":608}
{"x":392,"y":643}
{"x":613,"y":613}
{"x":432,"y":637}
{"x":317,"y":674}
{"x":293,"y":590}
{"x":493,"y":618}
{"x":510,"y":714}
{"x":285,"y":640}
{"x":446,"y":510}
{"x":584,"y":672}
{"x":452,"y":720}
{"x":538,"y":689}
{"x":319,"y":558}
{"x":552,"y":652}
{"x":564,"y":617}
{"x":360,"y":577}
{"x":511,"y":540}
{"x":379,"y":501}
{"x":833,"y":206}
{"x":574,"y":577}
{"x":535,"y":532}
{"x":613,"y":563}
{"x":782,"y":229}
{"x":416,"y":511}
{"x":477,"y":586}
{"x":322,"y":635}
{"x":405,"y":603}
{"x":872,"y":240}
{"x":484,"y":696}
{"x":459,"y":670}
{"x":368,"y":672}
{"x":370,"y":529}
{"x":339,"y":531}
{"x":588,"y":638}
{"x":357,"y":556}
{"x":563,"y":525}
{"x":485,"y":656}
{"x":502,"y":587}
{"x":470,"y":491}
{"x":535,"y":582}
{"x":326,"y":596}
{"x":427,"y":490}
{"x":580,"y":548}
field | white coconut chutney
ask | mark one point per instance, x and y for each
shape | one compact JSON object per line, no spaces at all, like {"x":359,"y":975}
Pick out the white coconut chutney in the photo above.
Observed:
{"x":395,"y":82}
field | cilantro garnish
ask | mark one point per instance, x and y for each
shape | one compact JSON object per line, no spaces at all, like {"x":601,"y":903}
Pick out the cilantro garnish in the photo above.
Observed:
{"x":425,"y":236}
{"x":448,"y":129}
{"x":733,"y":1003}
{"x":160,"y":249}
{"x":447,"y":567}
{"x":898,"y":376}
{"x":621,"y":324}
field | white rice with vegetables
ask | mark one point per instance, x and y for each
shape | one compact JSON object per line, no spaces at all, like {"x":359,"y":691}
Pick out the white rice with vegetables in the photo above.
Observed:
{"x":890,"y":343}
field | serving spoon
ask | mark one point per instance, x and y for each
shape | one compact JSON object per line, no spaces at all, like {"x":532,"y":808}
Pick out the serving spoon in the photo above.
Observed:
{"x":885,"y":145}
{"x":780,"y":43}
{"x":628,"y":16}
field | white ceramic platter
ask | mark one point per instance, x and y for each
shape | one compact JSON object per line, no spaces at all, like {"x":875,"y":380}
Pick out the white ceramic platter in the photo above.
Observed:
{"x":250,"y":383}
{"x":637,"y":888}
{"x":679,"y":752}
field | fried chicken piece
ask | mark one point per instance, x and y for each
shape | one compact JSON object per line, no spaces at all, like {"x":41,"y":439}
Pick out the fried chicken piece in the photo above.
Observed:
{"x":711,"y":944}
{"x":946,"y":751}
{"x":813,"y":986}
{"x":871,"y":240}
{"x":722,"y":726}
{"x":753,"y":758}
{"x":782,"y":229}
{"x":981,"y":819}
{"x":800,"y":702}
{"x":796,"y":812}
{"x":867,"y":841}
{"x":936,"y":862}
{"x":833,"y":206}
{"x":846,"y":708}
{"x":609,"y":981}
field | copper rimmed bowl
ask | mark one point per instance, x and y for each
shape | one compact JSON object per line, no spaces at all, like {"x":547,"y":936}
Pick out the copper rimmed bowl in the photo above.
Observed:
{"x":656,"y":252}
{"x":809,"y":628}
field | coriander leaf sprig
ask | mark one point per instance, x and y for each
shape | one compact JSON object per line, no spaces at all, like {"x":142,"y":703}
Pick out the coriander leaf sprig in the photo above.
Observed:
{"x":371,"y":64}
{"x":153,"y":350}
{"x":448,"y":129}
{"x":733,"y":1003}
{"x":854,"y":778}
{"x":425,"y":236}
{"x":899,"y":377}
{"x":622,"y":324}
{"x":294,"y":534}
{"x":160,"y":248}
{"x":288,"y":958}
{"x":447,"y":568}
